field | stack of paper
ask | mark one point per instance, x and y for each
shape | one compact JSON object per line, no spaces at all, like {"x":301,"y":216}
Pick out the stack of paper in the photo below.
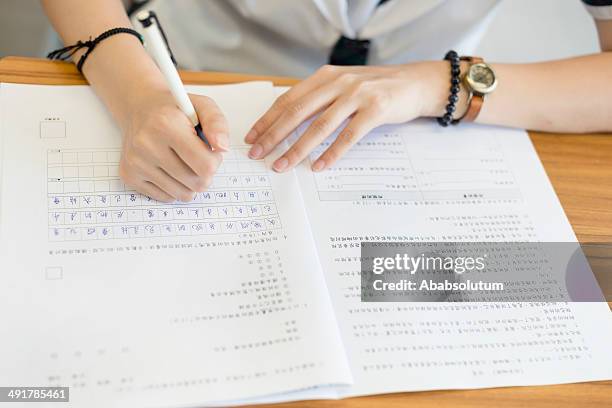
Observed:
{"x":251,"y":292}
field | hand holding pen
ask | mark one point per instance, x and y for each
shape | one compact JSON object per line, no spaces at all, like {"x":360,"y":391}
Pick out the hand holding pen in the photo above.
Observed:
{"x":172,"y":142}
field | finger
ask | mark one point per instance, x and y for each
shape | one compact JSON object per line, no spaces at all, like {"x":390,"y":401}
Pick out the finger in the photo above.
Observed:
{"x":134,"y":181}
{"x":362,"y":123}
{"x":296,"y":113}
{"x":169,"y":185}
{"x":212,"y":119}
{"x":319,"y":129}
{"x":323,"y":74}
{"x":177,"y":169}
{"x":151,"y":190}
{"x":196,"y":155}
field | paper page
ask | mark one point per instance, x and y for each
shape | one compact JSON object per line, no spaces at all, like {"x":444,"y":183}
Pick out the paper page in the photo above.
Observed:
{"x":420,"y":182}
{"x":131,"y":302}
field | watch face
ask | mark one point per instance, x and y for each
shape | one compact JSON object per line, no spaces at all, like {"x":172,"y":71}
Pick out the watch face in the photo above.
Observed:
{"x":481,"y":78}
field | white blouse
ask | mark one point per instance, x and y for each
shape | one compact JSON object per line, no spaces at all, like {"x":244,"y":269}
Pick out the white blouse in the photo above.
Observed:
{"x":295,"y":37}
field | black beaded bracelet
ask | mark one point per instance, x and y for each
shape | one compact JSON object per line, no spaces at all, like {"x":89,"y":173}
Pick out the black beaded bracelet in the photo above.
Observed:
{"x":66,"y":53}
{"x":453,"y":98}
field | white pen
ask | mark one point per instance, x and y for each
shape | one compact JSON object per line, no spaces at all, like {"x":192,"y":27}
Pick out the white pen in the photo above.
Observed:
{"x":157,"y":44}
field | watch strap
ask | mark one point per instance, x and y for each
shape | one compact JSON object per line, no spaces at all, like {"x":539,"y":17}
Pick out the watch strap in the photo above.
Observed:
{"x":474,"y":106}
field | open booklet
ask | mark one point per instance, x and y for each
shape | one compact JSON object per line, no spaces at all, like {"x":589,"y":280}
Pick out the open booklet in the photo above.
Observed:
{"x":251,"y":292}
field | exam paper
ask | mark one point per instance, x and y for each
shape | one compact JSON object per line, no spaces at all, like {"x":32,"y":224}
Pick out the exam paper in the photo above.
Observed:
{"x":420,"y":182}
{"x":131,"y":302}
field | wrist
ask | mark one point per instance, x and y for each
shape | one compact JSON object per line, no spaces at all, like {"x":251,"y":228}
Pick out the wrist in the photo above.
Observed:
{"x":436,"y":89}
{"x":124,"y":77}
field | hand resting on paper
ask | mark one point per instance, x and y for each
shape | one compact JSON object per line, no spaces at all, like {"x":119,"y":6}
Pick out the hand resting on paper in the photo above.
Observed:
{"x":367,"y":96}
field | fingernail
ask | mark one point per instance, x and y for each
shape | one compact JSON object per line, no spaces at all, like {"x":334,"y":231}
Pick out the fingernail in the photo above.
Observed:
{"x":222,"y":143}
{"x":250,"y":137}
{"x":281,"y":164}
{"x":255,"y":151}
{"x":318,"y":165}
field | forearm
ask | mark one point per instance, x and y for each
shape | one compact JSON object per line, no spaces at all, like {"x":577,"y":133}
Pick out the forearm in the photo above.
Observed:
{"x":119,"y":68}
{"x":571,"y":95}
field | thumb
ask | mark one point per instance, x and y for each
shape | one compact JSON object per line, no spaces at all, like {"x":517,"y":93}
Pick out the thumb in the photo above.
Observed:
{"x":214,"y":124}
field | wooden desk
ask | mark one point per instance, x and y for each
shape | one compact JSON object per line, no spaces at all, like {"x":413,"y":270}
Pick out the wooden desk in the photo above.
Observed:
{"x":580,"y":169}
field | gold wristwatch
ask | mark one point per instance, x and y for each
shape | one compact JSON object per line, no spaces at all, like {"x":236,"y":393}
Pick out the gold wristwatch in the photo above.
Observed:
{"x":479,"y":80}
